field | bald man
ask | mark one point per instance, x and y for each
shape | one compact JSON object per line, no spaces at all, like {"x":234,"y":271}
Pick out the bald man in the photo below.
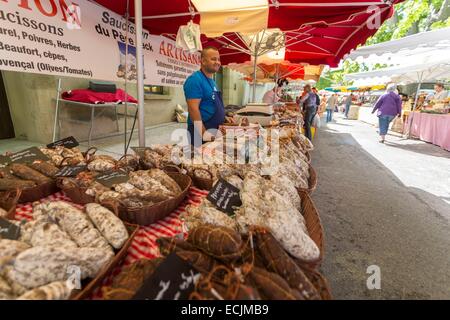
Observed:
{"x":204,"y":101}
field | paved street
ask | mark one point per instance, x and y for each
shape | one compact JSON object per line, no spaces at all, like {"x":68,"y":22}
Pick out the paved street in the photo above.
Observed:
{"x":386,"y":205}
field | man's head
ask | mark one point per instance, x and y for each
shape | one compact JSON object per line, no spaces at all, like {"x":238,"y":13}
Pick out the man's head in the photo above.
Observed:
{"x":210,"y":60}
{"x":314,"y":89}
{"x":307,"y":88}
{"x":438,"y":87}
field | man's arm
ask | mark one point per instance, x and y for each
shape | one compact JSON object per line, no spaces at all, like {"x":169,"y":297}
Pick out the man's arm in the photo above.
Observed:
{"x":194,"y":113}
{"x":304,"y":97}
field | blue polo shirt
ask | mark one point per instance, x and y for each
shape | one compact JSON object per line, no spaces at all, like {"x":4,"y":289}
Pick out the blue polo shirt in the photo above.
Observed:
{"x":197,"y":86}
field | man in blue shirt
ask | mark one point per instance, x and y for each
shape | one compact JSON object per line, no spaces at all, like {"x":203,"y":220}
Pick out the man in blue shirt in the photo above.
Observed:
{"x":205,"y":105}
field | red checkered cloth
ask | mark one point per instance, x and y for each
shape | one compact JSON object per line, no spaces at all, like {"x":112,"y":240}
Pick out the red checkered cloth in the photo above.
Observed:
{"x":144,"y":244}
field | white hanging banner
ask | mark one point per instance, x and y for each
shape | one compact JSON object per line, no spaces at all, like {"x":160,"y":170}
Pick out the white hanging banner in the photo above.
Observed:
{"x":82,"y":39}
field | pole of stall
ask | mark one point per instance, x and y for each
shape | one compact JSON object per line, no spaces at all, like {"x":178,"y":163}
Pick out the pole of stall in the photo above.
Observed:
{"x":255,"y":67}
{"x":58,"y":93}
{"x":140,"y":71}
{"x":416,"y":99}
{"x":127,"y":17}
{"x":276,"y":82}
{"x":254,"y":80}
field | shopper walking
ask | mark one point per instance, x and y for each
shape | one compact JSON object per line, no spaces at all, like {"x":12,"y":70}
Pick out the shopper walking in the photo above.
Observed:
{"x":309,"y":102}
{"x":331,"y":104}
{"x":389,"y":106}
{"x":348,"y":103}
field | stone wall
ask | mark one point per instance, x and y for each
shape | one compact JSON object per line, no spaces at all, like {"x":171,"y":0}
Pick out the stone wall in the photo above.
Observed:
{"x":31,"y":99}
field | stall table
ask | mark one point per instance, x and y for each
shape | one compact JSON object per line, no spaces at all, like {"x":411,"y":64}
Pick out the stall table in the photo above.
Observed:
{"x":144,"y":244}
{"x":432,"y":128}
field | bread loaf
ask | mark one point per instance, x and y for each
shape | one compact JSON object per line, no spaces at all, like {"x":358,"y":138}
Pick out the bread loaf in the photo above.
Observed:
{"x":76,"y":224}
{"x":11,"y":248}
{"x":58,"y":290}
{"x":39,"y":266}
{"x":110,"y":226}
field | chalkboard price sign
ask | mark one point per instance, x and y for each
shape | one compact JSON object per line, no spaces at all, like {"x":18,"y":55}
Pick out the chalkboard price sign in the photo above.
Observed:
{"x":225,"y":197}
{"x":69,"y":142}
{"x":174,"y":279}
{"x":108,"y":179}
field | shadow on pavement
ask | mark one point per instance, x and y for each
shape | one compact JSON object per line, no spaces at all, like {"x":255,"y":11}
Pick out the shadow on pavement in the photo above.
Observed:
{"x":423,"y":148}
{"x":371,"y":218}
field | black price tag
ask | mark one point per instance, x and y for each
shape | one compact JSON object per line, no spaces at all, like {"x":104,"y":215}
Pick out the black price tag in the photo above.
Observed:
{"x":4,"y":161}
{"x":8,"y":230}
{"x":70,"y":171}
{"x":225,"y":197}
{"x":28,"y":156}
{"x":69,"y":142}
{"x":174,"y":279}
{"x":108,"y":179}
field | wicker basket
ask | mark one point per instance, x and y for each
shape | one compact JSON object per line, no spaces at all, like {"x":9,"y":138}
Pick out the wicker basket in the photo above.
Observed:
{"x":149,"y":214}
{"x":312,"y":181}
{"x":87,"y":291}
{"x":314,"y":227}
{"x":319,"y":282}
{"x":76,"y":194}
{"x":8,"y":201}
{"x":202,"y":183}
{"x":38,"y":192}
{"x":308,"y":156}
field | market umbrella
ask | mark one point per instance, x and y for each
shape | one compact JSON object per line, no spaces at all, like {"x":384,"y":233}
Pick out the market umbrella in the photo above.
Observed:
{"x":267,"y":72}
{"x":410,"y":45}
{"x":317,"y":32}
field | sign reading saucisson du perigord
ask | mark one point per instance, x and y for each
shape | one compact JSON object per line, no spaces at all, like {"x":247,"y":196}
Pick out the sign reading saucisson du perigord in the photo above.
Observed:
{"x":78,"y":38}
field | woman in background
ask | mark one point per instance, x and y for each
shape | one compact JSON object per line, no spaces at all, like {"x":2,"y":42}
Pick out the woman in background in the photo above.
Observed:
{"x":389,"y":106}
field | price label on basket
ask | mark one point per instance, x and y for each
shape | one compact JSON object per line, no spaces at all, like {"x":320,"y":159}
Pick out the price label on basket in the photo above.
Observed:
{"x":28,"y":155}
{"x":225,"y":197}
{"x":111,"y":178}
{"x":9,"y":230}
{"x":70,"y":171}
{"x":69,"y":142}
{"x":174,"y":279}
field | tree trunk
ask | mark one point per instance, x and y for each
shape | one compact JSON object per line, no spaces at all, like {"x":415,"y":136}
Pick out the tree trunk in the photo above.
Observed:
{"x":436,"y":16}
{"x":414,"y":28}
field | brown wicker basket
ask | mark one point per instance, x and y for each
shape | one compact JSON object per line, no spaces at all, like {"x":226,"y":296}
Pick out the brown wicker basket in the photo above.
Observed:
{"x":202,"y":183}
{"x":8,"y":201}
{"x":38,"y":192}
{"x":314,"y":227}
{"x":312,"y":181}
{"x":87,"y":291}
{"x":149,"y":214}
{"x":308,"y":156}
{"x":76,"y":194}
{"x":319,"y":282}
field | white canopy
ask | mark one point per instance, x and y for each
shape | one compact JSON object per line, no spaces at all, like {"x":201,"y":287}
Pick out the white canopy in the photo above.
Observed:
{"x":436,"y":67}
{"x":417,"y":43}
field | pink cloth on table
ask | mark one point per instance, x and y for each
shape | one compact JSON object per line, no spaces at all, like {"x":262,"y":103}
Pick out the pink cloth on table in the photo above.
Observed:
{"x":93,"y":97}
{"x":433,"y":128}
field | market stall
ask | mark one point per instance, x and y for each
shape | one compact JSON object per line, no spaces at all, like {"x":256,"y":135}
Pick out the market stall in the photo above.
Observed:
{"x":128,"y":214}
{"x":432,"y":128}
{"x":238,"y":224}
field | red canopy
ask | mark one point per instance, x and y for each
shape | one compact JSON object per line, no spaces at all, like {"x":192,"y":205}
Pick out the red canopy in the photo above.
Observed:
{"x":317,"y":31}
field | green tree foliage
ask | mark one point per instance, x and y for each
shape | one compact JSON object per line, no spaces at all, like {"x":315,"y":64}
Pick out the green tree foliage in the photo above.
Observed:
{"x":410,"y":17}
{"x":413,"y":16}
